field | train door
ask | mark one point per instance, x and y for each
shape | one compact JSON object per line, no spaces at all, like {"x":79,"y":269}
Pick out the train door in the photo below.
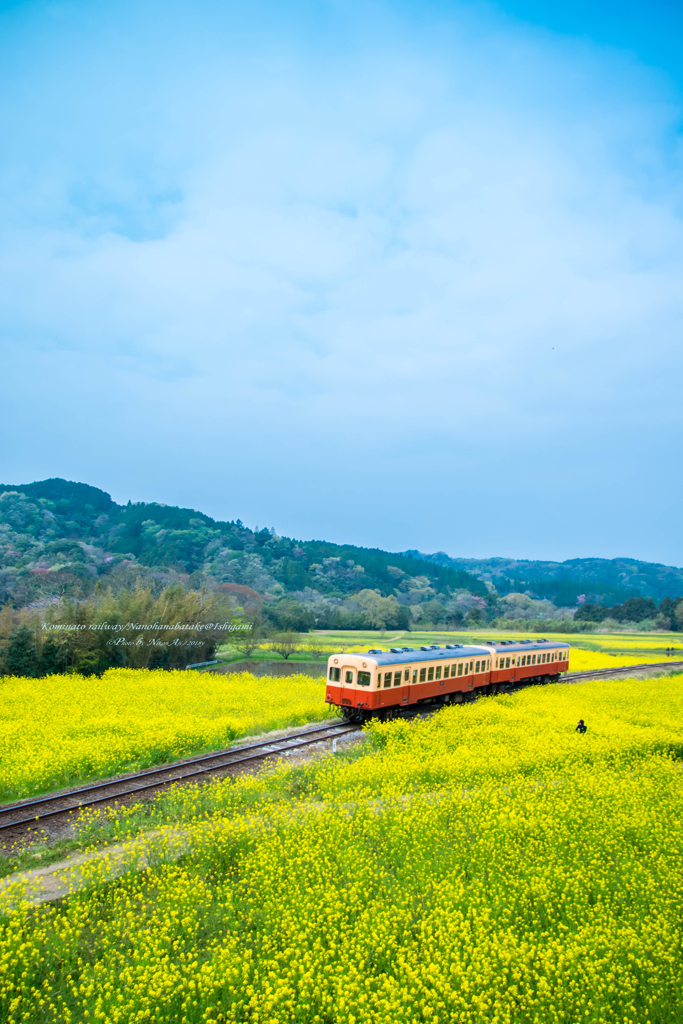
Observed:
{"x":348,"y":678}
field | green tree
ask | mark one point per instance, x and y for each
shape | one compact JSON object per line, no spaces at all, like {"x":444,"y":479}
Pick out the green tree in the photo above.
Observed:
{"x":285,"y":644}
{"x":21,"y":658}
{"x":247,"y":640}
{"x":54,"y":657}
{"x":381,"y":612}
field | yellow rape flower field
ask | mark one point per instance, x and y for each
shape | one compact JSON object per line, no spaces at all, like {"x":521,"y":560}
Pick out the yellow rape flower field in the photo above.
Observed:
{"x":64,"y":729}
{"x":485,"y":865}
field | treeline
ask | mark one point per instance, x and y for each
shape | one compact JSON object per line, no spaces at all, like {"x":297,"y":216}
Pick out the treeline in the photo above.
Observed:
{"x":668,"y":615}
{"x":133,"y":629}
{"x":563,"y":593}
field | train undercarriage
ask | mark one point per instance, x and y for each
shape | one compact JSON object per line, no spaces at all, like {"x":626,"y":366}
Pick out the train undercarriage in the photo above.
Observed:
{"x":458,"y":697}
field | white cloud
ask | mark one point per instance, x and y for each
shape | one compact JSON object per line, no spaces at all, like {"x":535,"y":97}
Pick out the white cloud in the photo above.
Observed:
{"x":469,"y":242}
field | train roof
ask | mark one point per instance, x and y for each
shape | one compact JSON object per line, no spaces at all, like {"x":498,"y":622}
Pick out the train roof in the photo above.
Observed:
{"x":402,"y":655}
{"x":524,"y":645}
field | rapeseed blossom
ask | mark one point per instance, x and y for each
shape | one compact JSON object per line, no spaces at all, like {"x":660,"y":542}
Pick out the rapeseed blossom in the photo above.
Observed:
{"x":64,"y":729}
{"x":484,"y":865}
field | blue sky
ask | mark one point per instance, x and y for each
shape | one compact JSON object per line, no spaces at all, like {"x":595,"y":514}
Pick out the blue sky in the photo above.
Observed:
{"x":404,"y":275}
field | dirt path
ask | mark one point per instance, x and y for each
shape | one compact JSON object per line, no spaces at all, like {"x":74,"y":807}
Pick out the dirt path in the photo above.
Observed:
{"x":82,"y":870}
{"x":45,"y":885}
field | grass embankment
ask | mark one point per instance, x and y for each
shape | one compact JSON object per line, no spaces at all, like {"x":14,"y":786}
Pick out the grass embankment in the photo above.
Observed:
{"x":484,"y":865}
{"x":63,"y":730}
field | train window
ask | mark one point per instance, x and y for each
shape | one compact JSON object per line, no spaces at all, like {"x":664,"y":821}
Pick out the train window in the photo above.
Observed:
{"x":477,"y":668}
{"x":397,"y":678}
{"x":423,"y":674}
{"x":387,"y":680}
{"x":507,"y":663}
{"x":364,"y":679}
{"x":460,"y":669}
{"x":379,"y":680}
{"x":523,"y":661}
{"x":533,"y":659}
{"x":414,"y":676}
{"x":348,"y":677}
{"x":335,"y":675}
{"x":430,"y":675}
{"x":406,"y":674}
{"x":438,"y":672}
{"x":467,"y":668}
{"x":447,"y":671}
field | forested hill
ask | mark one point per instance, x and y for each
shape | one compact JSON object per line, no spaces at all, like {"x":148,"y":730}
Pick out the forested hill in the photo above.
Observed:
{"x":58,"y":536}
{"x":608,"y":580}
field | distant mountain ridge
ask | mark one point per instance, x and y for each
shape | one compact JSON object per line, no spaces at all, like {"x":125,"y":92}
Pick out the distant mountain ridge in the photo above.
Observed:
{"x":613,"y":578}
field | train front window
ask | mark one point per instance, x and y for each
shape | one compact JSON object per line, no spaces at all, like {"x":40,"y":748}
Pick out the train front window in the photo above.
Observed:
{"x":348,"y":677}
{"x":335,"y":675}
{"x":364,"y":678}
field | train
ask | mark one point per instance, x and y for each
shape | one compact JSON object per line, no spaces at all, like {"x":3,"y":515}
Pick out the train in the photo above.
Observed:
{"x":382,"y":684}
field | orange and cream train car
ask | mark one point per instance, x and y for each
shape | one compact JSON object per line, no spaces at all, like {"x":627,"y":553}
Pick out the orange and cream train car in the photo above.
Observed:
{"x":380,"y":684}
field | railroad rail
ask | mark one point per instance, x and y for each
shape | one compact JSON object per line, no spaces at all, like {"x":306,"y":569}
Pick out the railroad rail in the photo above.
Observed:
{"x":41,"y":808}
{"x":601,"y":673}
{"x":28,"y":812}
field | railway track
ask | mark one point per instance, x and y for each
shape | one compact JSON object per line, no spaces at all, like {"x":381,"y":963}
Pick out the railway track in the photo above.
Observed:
{"x":605,"y":673}
{"x":26,"y":813}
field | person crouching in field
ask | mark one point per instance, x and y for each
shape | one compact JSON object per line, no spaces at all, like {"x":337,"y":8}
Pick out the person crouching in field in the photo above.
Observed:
{"x":581,"y":727}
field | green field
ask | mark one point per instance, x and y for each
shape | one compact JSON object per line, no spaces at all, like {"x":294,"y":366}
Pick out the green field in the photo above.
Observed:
{"x":318,"y":645}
